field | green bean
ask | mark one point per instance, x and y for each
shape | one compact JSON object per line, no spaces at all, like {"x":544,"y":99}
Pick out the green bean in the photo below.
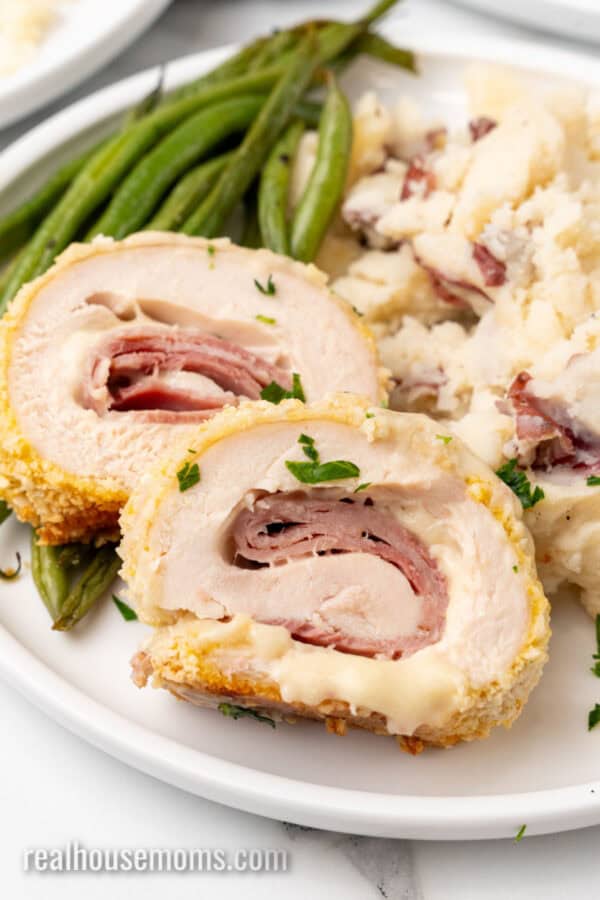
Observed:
{"x":95,"y":580}
{"x":251,"y":235}
{"x":376,"y":46}
{"x":73,"y":555}
{"x":17,"y":227}
{"x":329,"y":32}
{"x":274,"y":188}
{"x":326,"y":184}
{"x":206,"y":95}
{"x":191,"y":190}
{"x":309,"y":112}
{"x":5,"y":511}
{"x":272,"y":49}
{"x":210,"y":217}
{"x":142,"y":190}
{"x":378,"y":10}
{"x":334,"y":38}
{"x":5,"y":277}
{"x":187,"y":194}
{"x":49,"y":576}
{"x":233,"y":67}
{"x":104,"y":171}
{"x":149,"y":102}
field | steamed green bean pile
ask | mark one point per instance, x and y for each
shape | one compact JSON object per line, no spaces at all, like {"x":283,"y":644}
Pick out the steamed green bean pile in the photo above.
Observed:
{"x":187,"y":161}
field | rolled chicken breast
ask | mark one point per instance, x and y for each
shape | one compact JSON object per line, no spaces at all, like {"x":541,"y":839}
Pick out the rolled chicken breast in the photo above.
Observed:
{"x":338,"y":562}
{"x":123,"y":346}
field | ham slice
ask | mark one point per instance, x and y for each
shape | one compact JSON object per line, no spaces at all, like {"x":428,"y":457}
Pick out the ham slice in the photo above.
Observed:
{"x":493,"y":270}
{"x":548,"y":434}
{"x":282,"y":527}
{"x":480,"y":126}
{"x":453,"y":291}
{"x":419,"y":181}
{"x":125,"y":374}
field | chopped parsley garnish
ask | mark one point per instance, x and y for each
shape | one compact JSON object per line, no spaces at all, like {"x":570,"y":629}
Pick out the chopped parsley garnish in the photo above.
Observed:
{"x":188,"y":476}
{"x":593,"y":480}
{"x":211,"y":250}
{"x":357,"y":311}
{"x":515,"y":568}
{"x":519,"y":484}
{"x":274,"y":393}
{"x":266,"y":320}
{"x":269,"y":289}
{"x":9,"y":574}
{"x":238,"y":712}
{"x":446,"y":438}
{"x":363,"y":486}
{"x":308,"y":446}
{"x":594,"y":717}
{"x":314,"y":472}
{"x":369,"y":415}
{"x":520,"y":834}
{"x":126,"y":611}
{"x":297,"y":389}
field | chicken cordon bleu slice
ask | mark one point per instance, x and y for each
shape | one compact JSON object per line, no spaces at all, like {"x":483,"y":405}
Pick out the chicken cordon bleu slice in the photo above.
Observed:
{"x":123,"y":346}
{"x":338,"y":562}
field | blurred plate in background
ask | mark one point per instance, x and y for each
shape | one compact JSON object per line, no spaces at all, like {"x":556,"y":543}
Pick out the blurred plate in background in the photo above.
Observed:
{"x":87,"y":34}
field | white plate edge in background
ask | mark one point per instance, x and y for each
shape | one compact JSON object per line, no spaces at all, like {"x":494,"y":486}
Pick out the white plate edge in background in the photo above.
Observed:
{"x":34,"y":86}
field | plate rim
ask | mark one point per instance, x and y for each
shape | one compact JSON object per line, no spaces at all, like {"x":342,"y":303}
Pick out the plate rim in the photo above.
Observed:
{"x":250,"y":790}
{"x":31,"y":90}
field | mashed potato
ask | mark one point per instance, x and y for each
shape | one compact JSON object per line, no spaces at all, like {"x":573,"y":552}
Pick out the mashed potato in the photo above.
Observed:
{"x":477,"y":259}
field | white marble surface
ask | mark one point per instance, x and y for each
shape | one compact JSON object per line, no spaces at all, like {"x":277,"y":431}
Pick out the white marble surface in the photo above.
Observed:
{"x":55,"y":788}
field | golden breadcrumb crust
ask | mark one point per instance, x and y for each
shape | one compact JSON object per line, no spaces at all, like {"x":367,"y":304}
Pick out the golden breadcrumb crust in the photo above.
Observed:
{"x":64,"y":506}
{"x":210,"y":686}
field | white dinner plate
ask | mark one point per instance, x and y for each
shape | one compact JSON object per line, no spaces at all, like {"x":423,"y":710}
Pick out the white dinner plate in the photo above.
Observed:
{"x":87,"y":34}
{"x":545,"y":773}
{"x":564,"y":18}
